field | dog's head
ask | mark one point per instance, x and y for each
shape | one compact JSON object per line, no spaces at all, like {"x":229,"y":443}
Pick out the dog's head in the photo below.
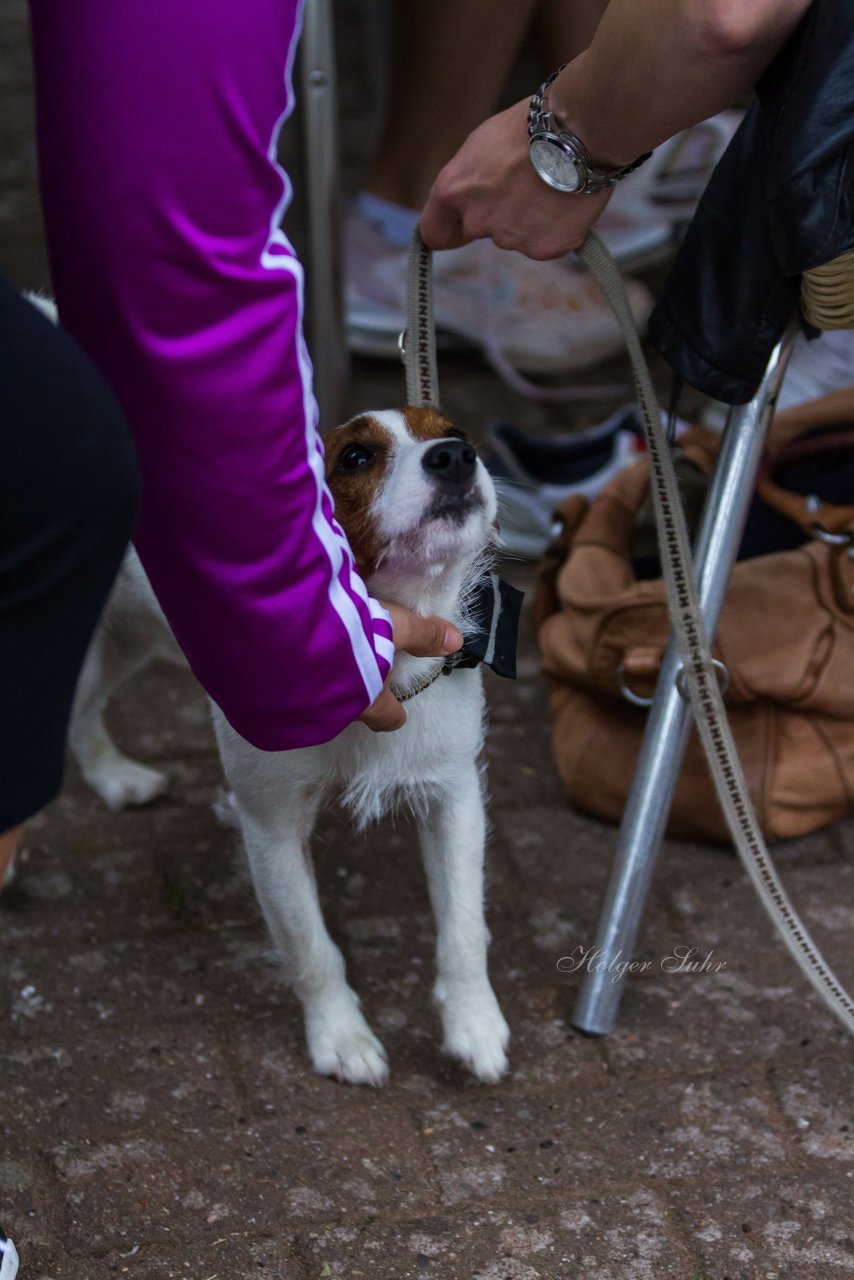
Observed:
{"x":410,"y":493}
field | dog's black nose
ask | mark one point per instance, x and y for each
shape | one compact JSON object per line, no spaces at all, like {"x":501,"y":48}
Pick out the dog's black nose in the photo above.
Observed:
{"x":451,"y":462}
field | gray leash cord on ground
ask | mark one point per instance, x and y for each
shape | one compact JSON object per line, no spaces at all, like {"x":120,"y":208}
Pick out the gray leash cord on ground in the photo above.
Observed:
{"x":683,"y":605}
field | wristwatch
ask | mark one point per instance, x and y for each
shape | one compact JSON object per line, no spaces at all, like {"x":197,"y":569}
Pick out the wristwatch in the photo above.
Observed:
{"x":560,"y":157}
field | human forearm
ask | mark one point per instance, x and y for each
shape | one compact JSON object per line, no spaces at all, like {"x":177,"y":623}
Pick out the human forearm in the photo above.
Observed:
{"x":654,"y":67}
{"x":657,"y":66}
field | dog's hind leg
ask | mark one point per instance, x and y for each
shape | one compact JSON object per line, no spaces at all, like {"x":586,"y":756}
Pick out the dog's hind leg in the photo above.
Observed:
{"x":340,"y":1041}
{"x":118,"y":780}
{"x":131,"y":633}
{"x":452,"y":842}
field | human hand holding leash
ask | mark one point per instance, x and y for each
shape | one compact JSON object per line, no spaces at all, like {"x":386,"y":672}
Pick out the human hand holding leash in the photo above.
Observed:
{"x":422,"y":637}
{"x":650,"y":71}
{"x":489,"y":189}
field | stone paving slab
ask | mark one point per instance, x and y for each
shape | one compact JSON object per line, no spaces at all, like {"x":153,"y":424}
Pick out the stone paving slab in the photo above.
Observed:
{"x":230,"y":1253}
{"x":682,"y":1023}
{"x":159,"y":1117}
{"x":562,"y":873}
{"x":149,"y":981}
{"x":33,"y":1211}
{"x":127,"y":1192}
{"x":687,"y":1129}
{"x":790,"y":1223}
{"x":629,"y":1234}
{"x":139,"y":1083}
{"x":818,"y":1104}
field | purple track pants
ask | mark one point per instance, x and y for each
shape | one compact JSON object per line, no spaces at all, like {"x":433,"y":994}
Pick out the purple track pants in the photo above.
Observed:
{"x":157,"y":124}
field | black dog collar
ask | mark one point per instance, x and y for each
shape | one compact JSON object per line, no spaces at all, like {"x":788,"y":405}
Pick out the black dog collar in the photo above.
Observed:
{"x":493,"y":640}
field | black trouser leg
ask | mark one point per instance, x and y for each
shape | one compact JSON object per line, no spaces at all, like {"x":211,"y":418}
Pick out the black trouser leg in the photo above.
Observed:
{"x":68,"y":493}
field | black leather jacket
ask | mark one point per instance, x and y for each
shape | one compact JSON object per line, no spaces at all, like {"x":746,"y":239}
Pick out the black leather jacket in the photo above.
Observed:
{"x":780,"y":201}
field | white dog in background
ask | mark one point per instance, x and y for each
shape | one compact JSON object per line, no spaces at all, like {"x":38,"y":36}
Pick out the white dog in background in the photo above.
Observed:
{"x":419,"y":510}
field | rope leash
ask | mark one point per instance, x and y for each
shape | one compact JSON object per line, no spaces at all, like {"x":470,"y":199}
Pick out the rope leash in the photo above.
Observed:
{"x":698,"y":674}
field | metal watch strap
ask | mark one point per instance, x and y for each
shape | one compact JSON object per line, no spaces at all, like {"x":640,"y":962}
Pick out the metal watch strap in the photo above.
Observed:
{"x":541,"y":118}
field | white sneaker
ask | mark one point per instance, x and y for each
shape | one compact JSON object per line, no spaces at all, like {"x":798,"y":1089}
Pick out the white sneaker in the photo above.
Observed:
{"x":815,"y":369}
{"x":542,"y":318}
{"x":534,"y":475}
{"x":643,"y":221}
{"x":8,"y":1258}
{"x":818,"y":367}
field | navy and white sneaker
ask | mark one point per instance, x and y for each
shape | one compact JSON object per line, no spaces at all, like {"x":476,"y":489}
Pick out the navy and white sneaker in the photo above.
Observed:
{"x":8,"y":1257}
{"x":533,"y":475}
{"x":647,"y":215}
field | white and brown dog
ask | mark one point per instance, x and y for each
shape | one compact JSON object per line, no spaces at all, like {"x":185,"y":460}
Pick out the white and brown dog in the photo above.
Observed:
{"x":419,"y":509}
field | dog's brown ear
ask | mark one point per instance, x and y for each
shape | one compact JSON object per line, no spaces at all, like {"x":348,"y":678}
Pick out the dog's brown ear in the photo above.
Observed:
{"x":425,"y":423}
{"x":356,"y":455}
{"x":331,"y":443}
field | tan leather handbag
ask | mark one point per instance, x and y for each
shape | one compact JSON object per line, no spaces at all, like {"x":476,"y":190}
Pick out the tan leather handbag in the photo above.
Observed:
{"x":786,"y":637}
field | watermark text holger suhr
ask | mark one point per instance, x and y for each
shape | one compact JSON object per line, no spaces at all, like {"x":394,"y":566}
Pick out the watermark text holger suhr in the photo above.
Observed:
{"x":680,"y":960}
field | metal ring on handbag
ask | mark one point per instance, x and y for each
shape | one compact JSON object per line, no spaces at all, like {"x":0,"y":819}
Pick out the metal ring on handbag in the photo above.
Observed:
{"x":846,"y":539}
{"x":833,"y":539}
{"x":723,"y":680}
{"x":636,"y":699}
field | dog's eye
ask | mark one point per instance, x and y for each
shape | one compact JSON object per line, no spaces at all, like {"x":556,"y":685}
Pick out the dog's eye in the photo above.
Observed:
{"x":354,"y":457}
{"x":455,"y":434}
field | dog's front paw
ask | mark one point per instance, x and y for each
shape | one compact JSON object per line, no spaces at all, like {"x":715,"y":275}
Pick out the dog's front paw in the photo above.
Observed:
{"x":341,"y":1043}
{"x":475,"y":1031}
{"x":121,"y":782}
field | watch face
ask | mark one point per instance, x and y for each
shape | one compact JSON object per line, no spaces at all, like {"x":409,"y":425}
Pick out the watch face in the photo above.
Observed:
{"x":554,"y":165}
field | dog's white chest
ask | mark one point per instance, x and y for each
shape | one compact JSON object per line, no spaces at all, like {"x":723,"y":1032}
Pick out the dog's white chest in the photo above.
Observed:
{"x":444,"y":731}
{"x":371,"y":772}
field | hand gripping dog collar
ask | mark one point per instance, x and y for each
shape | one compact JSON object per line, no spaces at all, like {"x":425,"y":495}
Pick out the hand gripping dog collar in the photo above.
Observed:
{"x":494,"y":610}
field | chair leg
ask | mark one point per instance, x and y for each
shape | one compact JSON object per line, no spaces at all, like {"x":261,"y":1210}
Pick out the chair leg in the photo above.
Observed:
{"x":668,"y":726}
{"x":324,"y":303}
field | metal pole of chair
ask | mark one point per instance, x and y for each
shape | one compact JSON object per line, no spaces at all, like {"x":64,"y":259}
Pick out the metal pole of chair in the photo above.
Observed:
{"x":668,"y":726}
{"x":324,"y":303}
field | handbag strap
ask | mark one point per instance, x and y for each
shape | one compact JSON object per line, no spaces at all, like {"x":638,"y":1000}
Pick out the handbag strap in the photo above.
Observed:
{"x":698,"y":674}
{"x":826,"y":521}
